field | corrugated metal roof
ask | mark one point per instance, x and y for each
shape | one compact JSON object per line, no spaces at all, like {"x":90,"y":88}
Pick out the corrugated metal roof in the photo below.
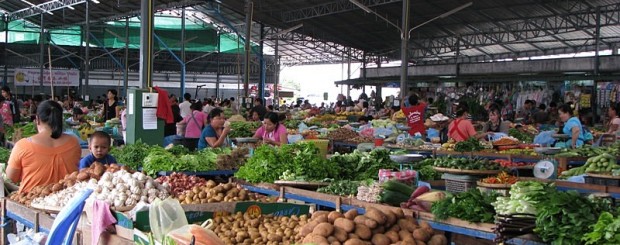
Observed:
{"x":332,"y":26}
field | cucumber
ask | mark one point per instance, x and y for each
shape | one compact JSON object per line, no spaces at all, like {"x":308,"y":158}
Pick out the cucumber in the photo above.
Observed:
{"x":396,"y":186}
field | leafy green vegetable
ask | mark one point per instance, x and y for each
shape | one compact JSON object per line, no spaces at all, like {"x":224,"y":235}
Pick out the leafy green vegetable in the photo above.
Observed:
{"x":427,"y":172}
{"x":131,"y":155}
{"x":472,"y":205}
{"x":564,"y":217}
{"x":465,"y":163}
{"x":178,"y":150}
{"x":341,"y":188}
{"x":362,"y":165}
{"x":521,"y":136}
{"x":243,"y":129}
{"x":269,"y":163}
{"x":605,"y":231}
{"x":469,"y":145}
{"x":524,"y":197}
{"x":4,"y":154}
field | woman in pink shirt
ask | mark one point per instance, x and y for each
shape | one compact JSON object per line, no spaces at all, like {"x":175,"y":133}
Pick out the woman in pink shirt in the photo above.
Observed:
{"x":272,"y":132}
{"x":195,"y":121}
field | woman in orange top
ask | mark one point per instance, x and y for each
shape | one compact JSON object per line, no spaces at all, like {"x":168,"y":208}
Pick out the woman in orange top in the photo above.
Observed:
{"x":46,"y":157}
{"x":461,"y":128}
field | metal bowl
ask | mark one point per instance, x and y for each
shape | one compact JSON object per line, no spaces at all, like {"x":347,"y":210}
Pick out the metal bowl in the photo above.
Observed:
{"x":245,"y":140}
{"x":403,"y":128}
{"x":406,"y":158}
{"x":547,"y":150}
{"x":355,"y":125}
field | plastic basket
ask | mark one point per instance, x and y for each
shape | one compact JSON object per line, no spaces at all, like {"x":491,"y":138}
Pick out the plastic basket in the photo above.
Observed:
{"x":323,"y":145}
{"x":601,"y":181}
{"x":459,"y":183}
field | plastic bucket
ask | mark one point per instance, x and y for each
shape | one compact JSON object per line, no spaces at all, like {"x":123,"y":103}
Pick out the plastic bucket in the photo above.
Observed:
{"x":379,"y":141}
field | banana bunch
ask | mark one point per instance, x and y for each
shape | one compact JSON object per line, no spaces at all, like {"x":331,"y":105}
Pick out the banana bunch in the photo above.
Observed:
{"x":85,"y":129}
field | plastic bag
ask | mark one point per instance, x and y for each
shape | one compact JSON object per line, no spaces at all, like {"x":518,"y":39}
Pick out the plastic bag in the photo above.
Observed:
{"x":166,"y":216}
{"x":202,"y":235}
{"x":545,"y":138}
{"x":302,"y":127}
{"x":382,"y":132}
{"x":408,"y":177}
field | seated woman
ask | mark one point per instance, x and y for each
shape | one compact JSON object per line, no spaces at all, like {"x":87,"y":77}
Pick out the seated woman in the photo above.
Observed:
{"x":272,"y":132}
{"x":572,"y":126}
{"x":495,"y":124}
{"x":613,"y":126}
{"x":47,"y":156}
{"x":461,"y":128}
{"x":215,"y":134}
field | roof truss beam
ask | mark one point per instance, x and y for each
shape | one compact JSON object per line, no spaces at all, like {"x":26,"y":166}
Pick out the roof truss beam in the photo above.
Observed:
{"x":528,"y":29}
{"x":43,"y":8}
{"x":337,"y":6}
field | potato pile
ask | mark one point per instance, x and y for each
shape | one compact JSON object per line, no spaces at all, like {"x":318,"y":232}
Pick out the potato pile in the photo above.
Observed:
{"x":375,"y":227}
{"x":95,"y":171}
{"x":212,"y":192}
{"x":265,"y":229}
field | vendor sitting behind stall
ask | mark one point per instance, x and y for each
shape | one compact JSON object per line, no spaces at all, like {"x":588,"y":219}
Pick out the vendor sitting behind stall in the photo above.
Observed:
{"x":272,"y":132}
{"x":495,"y":123}
{"x":215,"y":134}
{"x":461,"y":128}
{"x":77,"y":116}
{"x":99,"y":145}
{"x":572,"y":126}
{"x":613,"y":126}
{"x":47,"y":156}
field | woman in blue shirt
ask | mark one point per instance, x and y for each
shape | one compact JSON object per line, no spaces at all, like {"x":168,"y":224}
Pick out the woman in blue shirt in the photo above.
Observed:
{"x":572,"y":126}
{"x":215,"y":134}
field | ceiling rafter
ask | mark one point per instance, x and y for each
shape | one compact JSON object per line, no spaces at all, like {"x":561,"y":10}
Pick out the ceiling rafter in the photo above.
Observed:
{"x":329,"y":8}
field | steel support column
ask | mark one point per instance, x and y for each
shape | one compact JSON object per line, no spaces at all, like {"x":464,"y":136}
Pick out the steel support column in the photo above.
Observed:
{"x":126,"y":75}
{"x":248,"y":34}
{"x":217,"y":74}
{"x":183,"y":51}
{"x":261,"y":70}
{"x":348,"y":71}
{"x":146,"y":43}
{"x":5,"y":53}
{"x":404,"y":50}
{"x":597,"y":60}
{"x":276,"y":73}
{"x":86,"y":35}
{"x":41,"y":52}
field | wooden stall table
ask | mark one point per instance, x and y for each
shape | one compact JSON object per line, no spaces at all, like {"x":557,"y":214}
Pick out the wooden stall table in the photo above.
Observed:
{"x":42,"y":222}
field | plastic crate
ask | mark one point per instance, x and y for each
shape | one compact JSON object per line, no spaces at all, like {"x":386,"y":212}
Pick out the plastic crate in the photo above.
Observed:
{"x":459,"y":183}
{"x":601,"y":181}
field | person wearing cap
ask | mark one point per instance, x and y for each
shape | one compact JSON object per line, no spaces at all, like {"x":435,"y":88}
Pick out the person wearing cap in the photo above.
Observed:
{"x":440,"y":123}
{"x":77,"y":116}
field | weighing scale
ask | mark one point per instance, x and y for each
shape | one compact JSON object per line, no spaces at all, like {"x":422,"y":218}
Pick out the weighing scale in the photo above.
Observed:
{"x":546,"y":168}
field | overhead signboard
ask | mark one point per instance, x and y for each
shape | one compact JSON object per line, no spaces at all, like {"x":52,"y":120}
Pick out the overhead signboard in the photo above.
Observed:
{"x":31,"y":77}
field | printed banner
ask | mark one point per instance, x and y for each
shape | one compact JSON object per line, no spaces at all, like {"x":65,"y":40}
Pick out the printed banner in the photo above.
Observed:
{"x":62,"y":78}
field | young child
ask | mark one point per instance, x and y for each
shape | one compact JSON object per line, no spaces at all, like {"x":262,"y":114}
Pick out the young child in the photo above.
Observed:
{"x":99,"y":146}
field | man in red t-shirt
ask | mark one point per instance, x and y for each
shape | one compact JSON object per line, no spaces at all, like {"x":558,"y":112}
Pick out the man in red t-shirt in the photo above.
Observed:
{"x":415,"y":116}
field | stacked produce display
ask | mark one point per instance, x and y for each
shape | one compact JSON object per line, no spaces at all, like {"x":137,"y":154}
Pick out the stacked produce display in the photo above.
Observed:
{"x":377,"y":227}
